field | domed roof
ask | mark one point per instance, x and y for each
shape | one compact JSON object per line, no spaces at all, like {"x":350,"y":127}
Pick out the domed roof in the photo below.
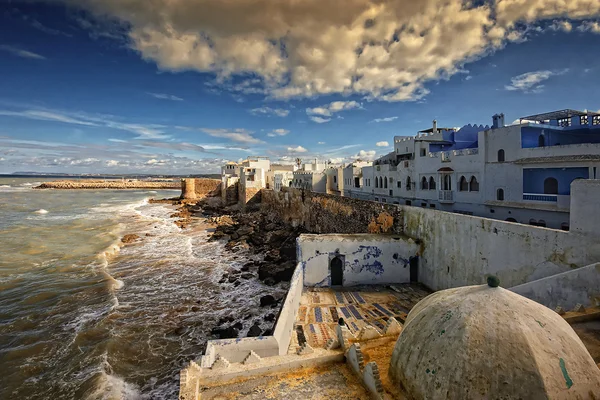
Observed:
{"x":482,"y":342}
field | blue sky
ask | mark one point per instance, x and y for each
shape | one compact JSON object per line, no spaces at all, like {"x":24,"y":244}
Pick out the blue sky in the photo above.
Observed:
{"x":181,"y":86}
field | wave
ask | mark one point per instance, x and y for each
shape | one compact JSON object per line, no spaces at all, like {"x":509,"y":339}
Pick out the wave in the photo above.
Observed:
{"x":41,"y":211}
{"x":5,"y":186}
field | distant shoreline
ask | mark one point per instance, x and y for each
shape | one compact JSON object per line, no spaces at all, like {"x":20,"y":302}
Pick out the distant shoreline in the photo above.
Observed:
{"x":109,"y":184}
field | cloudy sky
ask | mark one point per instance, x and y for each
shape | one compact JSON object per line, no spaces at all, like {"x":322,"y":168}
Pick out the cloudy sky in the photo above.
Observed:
{"x":179,"y":86}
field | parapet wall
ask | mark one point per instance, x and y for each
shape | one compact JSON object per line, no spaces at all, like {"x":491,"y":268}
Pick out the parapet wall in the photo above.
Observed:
{"x":459,"y":250}
{"x":324,"y":213}
{"x":198,"y":188}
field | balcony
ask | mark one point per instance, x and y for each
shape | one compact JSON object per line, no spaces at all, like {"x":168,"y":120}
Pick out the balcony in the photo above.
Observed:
{"x":553,"y":198}
{"x":446,"y":196}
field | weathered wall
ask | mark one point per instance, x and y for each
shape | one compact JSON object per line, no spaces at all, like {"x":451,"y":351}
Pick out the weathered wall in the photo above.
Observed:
{"x":368,"y":259}
{"x":459,"y":250}
{"x":323,"y":213}
{"x":207,"y":187}
{"x":580,"y":286}
{"x":585,"y":215}
{"x":287,"y":316}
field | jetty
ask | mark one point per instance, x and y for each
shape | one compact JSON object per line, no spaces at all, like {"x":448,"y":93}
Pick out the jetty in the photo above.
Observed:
{"x":110,"y":184}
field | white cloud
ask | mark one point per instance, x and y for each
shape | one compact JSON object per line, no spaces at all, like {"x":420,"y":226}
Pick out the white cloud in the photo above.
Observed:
{"x":117,"y":140}
{"x":589,"y":26}
{"x":21,"y":53}
{"x":387,"y":119}
{"x":382,"y":50}
{"x":279,"y":112}
{"x":328,"y":110}
{"x":468,"y":78}
{"x":320,"y":142}
{"x":382,"y":144}
{"x":278,"y":132}
{"x":236,"y":135}
{"x":365,"y":155}
{"x":319,"y":120}
{"x":564,"y":26}
{"x":530,"y":81}
{"x":163,"y":96}
{"x":298,"y":149}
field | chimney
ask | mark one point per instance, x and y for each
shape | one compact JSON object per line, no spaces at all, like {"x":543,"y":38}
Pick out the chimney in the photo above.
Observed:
{"x":434,"y":126}
{"x":498,"y":121}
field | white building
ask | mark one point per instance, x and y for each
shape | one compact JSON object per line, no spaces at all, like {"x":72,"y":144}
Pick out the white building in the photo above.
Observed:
{"x":311,"y":177}
{"x":519,"y":173}
{"x":352,"y":177}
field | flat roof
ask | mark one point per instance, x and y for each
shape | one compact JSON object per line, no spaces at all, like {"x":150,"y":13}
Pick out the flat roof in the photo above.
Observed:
{"x":567,"y":113}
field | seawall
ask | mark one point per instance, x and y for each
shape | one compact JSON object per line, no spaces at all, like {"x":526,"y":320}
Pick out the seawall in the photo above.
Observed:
{"x":106,"y":184}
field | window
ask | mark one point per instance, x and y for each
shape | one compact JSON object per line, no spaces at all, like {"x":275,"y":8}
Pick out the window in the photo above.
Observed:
{"x":424,"y":205}
{"x":408,"y":183}
{"x":596,"y":120}
{"x":473,"y":185}
{"x":376,"y":198}
{"x":501,"y":155}
{"x":391,"y":192}
{"x":511,"y":220}
{"x":463,"y":185}
{"x":564,"y":122}
{"x":399,"y":184}
{"x":423,"y":152}
{"x":447,"y":182}
{"x":541,"y":141}
{"x":564,"y":226}
{"x":424,"y":184}
{"x":376,"y":183}
{"x":431,"y":183}
{"x":432,"y":205}
{"x":335,"y":179}
{"x":385,"y":183}
{"x":500,"y":194}
{"x":583,"y":120}
{"x":532,"y":222}
{"x":408,"y":202}
{"x":541,"y":223}
{"x":383,"y":200}
{"x":550,"y":186}
{"x":357,"y":182}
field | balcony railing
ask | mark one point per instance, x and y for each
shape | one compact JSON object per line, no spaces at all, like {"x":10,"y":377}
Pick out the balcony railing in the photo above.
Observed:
{"x":446,"y":196}
{"x":553,"y":198}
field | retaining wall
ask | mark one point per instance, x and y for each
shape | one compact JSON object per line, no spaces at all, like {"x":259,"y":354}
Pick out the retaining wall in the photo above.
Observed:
{"x":368,"y":258}
{"x":459,"y":250}
{"x":324,"y":213}
{"x":580,"y":286}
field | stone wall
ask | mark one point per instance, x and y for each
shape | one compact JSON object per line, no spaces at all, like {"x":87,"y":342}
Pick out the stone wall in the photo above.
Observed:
{"x":459,"y":250}
{"x":198,"y":188}
{"x":323,"y":213}
{"x":368,"y":259}
{"x":109,"y":184}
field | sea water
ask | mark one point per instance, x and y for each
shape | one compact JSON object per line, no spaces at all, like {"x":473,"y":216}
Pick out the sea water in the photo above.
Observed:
{"x":83,"y":317}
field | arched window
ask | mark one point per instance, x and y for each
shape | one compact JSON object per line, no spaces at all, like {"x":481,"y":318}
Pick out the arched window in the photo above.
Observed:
{"x":376,"y":182}
{"x":500,"y":194}
{"x":511,"y":220}
{"x":474,"y":185}
{"x":385,"y":182}
{"x":424,"y":185}
{"x":463,"y":185}
{"x":564,"y":226}
{"x":541,"y":223}
{"x":381,"y":182}
{"x":408,"y":183}
{"x":541,"y":141}
{"x":447,"y":182}
{"x":501,"y":155}
{"x":550,"y":186}
{"x":532,"y":222}
{"x":431,"y":183}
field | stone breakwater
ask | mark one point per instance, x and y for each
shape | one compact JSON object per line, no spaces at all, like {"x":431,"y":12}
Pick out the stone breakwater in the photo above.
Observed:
{"x":106,"y":184}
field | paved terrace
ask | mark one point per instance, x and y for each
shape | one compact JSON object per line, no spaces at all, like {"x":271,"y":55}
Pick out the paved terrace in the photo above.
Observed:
{"x":359,"y":306}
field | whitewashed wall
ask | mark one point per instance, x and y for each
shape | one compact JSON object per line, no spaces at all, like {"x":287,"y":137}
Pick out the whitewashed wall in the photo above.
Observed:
{"x":369,"y":259}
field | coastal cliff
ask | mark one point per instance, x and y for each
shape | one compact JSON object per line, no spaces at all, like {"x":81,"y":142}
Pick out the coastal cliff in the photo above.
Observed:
{"x":106,"y":184}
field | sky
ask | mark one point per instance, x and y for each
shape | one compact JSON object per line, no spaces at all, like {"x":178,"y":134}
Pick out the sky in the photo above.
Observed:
{"x":182,"y":86}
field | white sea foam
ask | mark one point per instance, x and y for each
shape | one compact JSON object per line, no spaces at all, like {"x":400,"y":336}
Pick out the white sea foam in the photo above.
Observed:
{"x":42,"y":211}
{"x":5,"y":186}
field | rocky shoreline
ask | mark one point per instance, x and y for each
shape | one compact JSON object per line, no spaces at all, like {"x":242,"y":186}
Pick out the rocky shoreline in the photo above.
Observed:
{"x":108,"y":184}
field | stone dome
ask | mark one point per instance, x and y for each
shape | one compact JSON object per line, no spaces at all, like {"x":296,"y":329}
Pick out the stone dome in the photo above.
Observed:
{"x":482,"y":342}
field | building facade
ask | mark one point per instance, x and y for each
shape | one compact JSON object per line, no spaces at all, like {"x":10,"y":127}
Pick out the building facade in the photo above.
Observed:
{"x":519,"y":173}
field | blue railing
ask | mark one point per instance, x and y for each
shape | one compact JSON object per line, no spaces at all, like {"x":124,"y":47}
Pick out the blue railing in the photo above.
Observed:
{"x":540,"y":197}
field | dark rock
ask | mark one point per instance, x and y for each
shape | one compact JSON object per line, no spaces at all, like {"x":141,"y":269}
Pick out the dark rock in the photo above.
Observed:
{"x":195,"y":309}
{"x":238,"y":325}
{"x":226,"y":333}
{"x":278,"y":272}
{"x":270,"y":227}
{"x":247,"y":266}
{"x":254,"y":330}
{"x":247,"y":275}
{"x":268,"y":332}
{"x":180,"y":330}
{"x":235,"y":236}
{"x":270,"y":317}
{"x":129,"y":238}
{"x":232,"y":279}
{"x":237,"y":283}
{"x":272,"y":255}
{"x":245,"y":230}
{"x":270,"y":281}
{"x":267,"y":300}
{"x":224,"y":320}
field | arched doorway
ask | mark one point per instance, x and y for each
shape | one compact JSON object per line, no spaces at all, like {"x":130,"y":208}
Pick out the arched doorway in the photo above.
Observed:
{"x":337,"y":271}
{"x":550,"y":186}
{"x":541,"y":141}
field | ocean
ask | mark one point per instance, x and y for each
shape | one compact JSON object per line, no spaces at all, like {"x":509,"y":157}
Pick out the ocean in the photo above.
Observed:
{"x":82,"y":317}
